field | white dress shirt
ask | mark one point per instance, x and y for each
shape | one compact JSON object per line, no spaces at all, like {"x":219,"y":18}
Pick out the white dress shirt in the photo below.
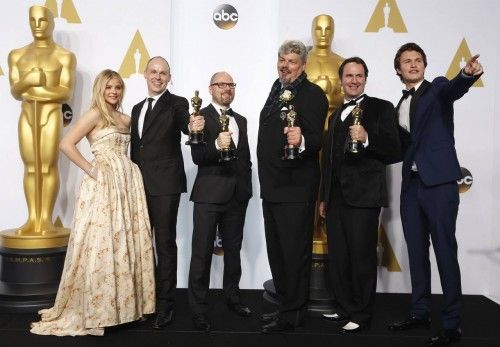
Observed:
{"x":404,"y":116}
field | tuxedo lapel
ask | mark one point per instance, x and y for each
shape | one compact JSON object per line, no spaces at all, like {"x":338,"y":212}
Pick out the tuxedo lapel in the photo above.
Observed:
{"x":241,"y":131}
{"x":157,"y":109}
{"x":417,"y":121}
{"x":413,"y":103}
{"x":331,"y":130}
{"x":135,"y":118}
{"x":213,"y":117}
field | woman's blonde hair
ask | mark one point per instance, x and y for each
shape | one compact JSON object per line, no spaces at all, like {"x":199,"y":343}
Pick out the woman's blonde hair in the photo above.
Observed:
{"x":98,"y":101}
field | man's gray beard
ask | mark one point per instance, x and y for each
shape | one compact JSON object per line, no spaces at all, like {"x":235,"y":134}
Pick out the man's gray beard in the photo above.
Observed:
{"x":284,"y":84}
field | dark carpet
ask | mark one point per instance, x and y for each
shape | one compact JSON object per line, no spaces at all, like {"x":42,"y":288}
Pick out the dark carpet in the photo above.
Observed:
{"x":481,"y":327}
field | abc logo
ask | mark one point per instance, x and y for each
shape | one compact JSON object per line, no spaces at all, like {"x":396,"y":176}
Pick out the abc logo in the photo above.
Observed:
{"x":67,"y":114}
{"x":225,"y":16}
{"x":465,"y":183}
{"x":218,"y":250}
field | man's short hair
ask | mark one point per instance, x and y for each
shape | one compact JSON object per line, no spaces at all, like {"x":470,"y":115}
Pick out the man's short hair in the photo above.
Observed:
{"x":356,"y":60}
{"x":294,"y":46}
{"x":410,"y":46}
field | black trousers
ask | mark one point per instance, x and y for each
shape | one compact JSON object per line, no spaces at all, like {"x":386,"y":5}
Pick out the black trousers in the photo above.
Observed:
{"x":352,"y":251}
{"x":230,"y":219}
{"x":288,"y":229}
{"x":163,"y":216}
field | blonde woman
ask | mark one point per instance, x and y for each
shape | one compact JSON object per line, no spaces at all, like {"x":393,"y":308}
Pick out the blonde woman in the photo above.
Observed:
{"x":108,"y":276}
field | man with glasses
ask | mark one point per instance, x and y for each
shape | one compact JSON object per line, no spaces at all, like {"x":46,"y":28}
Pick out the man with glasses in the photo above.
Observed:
{"x":220,"y":194}
{"x":289,"y":188}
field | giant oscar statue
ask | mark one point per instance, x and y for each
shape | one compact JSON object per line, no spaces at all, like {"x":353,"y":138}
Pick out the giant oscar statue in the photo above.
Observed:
{"x":322,"y":69}
{"x":42,"y":78}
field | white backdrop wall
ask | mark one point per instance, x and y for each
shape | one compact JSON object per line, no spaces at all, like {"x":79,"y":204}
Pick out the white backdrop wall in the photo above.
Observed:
{"x":184,"y":32}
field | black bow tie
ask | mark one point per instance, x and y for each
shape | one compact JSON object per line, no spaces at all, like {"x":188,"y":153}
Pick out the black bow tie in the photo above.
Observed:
{"x":407,"y":93}
{"x":353,"y":102}
{"x":229,"y":111}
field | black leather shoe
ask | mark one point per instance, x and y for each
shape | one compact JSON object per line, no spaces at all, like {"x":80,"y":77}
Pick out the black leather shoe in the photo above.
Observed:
{"x":410,"y":323}
{"x":240,"y":310}
{"x":201,"y":323}
{"x":334,"y":318}
{"x":162,"y":319}
{"x":268,"y":317}
{"x":277,"y":325}
{"x":445,"y":337}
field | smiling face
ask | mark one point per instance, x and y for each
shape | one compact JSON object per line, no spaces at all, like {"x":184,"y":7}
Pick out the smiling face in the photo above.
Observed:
{"x":222,"y":89}
{"x":290,"y":66}
{"x":41,"y":22}
{"x":353,"y":80}
{"x":157,"y":76}
{"x":411,"y":67}
{"x":113,"y":92}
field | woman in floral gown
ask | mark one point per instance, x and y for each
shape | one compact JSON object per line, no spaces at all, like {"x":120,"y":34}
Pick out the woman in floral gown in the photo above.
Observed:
{"x":108,"y":276}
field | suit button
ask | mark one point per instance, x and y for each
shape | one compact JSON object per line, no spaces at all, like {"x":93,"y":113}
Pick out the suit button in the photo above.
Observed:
{"x":142,"y":146}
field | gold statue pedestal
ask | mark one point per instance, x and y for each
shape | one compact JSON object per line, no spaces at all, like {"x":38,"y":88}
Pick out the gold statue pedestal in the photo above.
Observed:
{"x":30,"y":268}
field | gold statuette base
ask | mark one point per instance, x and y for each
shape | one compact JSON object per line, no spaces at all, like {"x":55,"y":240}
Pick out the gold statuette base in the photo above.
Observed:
{"x":320,"y":246}
{"x":55,"y":238}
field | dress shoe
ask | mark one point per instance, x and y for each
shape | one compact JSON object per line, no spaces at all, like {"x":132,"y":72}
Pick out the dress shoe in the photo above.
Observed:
{"x":351,"y":328}
{"x":268,"y":317}
{"x":410,"y":323}
{"x":445,"y":337}
{"x":240,"y":310}
{"x":201,"y":323}
{"x":162,"y":319}
{"x":335,"y":317}
{"x":277,"y":325}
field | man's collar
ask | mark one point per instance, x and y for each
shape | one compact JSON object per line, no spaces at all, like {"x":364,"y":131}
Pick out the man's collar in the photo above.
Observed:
{"x":219,"y":107}
{"x":416,"y":86}
{"x":156,"y":97}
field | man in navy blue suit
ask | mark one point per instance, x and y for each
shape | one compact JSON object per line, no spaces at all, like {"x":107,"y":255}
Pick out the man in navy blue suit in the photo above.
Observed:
{"x":429,"y":191}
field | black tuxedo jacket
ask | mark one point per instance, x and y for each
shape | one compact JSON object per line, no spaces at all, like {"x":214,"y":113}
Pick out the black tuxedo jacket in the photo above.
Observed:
{"x":158,"y":152}
{"x":218,"y":182}
{"x":363,"y":175}
{"x":292,"y":180}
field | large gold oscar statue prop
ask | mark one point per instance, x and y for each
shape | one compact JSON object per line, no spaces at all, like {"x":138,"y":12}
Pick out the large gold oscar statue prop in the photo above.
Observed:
{"x":322,"y":69}
{"x":42,"y":77}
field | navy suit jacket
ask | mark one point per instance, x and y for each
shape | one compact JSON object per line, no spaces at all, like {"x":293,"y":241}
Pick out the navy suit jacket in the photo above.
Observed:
{"x":431,"y":143}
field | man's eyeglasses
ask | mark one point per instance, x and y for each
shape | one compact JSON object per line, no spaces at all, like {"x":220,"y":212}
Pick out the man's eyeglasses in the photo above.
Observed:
{"x":223,"y":85}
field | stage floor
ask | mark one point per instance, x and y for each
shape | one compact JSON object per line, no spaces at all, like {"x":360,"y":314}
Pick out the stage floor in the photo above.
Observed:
{"x":481,"y":327}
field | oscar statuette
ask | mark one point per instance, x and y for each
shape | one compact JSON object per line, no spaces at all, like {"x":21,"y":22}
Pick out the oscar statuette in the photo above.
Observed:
{"x":291,"y":151}
{"x":355,"y":147}
{"x":226,"y":153}
{"x":196,"y":137}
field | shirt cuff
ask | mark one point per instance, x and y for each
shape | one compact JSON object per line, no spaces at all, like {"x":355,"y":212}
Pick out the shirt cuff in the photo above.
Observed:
{"x":366,"y":143}
{"x":302,"y":147}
